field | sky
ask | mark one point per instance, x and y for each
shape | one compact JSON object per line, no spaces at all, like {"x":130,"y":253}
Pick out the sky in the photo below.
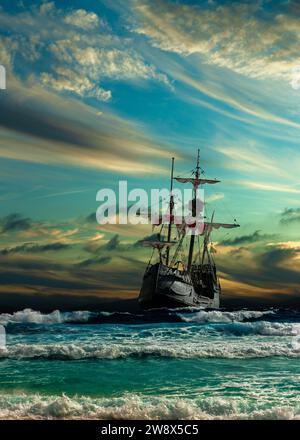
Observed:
{"x":100,"y":91}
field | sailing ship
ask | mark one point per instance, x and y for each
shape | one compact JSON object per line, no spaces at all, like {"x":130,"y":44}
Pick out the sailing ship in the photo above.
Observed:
{"x":179,"y":280}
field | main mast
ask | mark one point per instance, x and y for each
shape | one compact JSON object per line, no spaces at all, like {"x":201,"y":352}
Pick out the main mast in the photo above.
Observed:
{"x":194,"y":211}
{"x":171,"y":212}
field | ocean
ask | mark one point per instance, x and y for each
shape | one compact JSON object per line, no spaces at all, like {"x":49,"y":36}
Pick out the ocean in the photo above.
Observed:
{"x":172,"y":364}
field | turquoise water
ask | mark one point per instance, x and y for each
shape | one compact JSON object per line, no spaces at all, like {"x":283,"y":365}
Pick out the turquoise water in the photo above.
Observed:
{"x":176,"y":364}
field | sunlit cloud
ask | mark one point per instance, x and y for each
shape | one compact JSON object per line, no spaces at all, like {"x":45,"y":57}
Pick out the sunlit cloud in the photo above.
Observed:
{"x":235,"y":36}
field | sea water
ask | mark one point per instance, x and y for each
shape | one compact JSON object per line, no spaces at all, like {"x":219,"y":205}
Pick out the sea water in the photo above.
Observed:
{"x":172,"y":364}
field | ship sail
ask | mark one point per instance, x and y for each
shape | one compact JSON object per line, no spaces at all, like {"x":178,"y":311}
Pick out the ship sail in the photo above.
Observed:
{"x":177,"y":279}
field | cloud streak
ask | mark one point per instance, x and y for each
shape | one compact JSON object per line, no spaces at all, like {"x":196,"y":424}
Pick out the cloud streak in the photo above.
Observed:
{"x":238,"y":36}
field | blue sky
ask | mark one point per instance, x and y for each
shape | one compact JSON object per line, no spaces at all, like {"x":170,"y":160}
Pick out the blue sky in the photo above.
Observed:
{"x":101,"y":91}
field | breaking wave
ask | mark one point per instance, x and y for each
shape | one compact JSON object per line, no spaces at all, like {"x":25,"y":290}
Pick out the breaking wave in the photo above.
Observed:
{"x":192,"y":315}
{"x":29,"y":316}
{"x":139,"y":407}
{"x":221,"y":316}
{"x":231,"y":349}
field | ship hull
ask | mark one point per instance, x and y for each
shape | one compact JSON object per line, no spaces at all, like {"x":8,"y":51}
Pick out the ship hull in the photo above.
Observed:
{"x":168,"y":287}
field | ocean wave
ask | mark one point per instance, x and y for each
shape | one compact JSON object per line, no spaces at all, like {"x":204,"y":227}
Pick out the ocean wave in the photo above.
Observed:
{"x":231,"y":349}
{"x":29,"y":316}
{"x":139,"y":407}
{"x":188,"y":315}
{"x":262,"y":328}
{"x":203,"y":316}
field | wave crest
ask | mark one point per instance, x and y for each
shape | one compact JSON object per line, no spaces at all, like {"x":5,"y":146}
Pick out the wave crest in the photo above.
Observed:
{"x":176,"y":349}
{"x":203,"y":316}
{"x":136,"y":407}
{"x":29,"y":316}
{"x":189,"y":315}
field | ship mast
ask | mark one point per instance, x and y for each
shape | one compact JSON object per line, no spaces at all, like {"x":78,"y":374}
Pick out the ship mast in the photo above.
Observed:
{"x":171,"y":212}
{"x":194,"y":202}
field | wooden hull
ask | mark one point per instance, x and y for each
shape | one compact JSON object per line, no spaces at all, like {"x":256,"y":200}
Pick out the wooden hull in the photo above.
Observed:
{"x":168,"y":287}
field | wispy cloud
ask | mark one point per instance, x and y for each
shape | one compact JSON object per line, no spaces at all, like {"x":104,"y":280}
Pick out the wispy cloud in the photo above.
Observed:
{"x":255,"y":237}
{"x":263,"y":186}
{"x":46,"y":128}
{"x":237,"y":36}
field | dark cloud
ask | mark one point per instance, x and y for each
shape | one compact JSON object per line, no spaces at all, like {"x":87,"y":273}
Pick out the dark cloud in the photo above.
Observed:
{"x":91,"y":218}
{"x":290,"y":215}
{"x":113,"y":243}
{"x":152,"y":237}
{"x":23,"y":118}
{"x":42,"y":279}
{"x":35,"y":248}
{"x":247,"y":239}
{"x":70,"y":135}
{"x":30,"y":265}
{"x":266,"y":270}
{"x":15,"y":222}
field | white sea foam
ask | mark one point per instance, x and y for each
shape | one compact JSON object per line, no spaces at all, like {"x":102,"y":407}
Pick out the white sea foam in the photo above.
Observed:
{"x":36,"y":317}
{"x":194,"y":316}
{"x":137,"y":407}
{"x":263,"y":328}
{"x":234,"y":348}
{"x":220,"y":316}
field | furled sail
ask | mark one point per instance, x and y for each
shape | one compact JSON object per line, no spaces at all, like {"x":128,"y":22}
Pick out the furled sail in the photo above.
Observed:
{"x":196,"y":182}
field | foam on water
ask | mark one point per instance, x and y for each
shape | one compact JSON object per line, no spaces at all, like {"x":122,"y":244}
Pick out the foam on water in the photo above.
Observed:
{"x":231,"y":349}
{"x":132,"y":406}
{"x":234,"y":384}
{"x":220,"y":316}
{"x":36,"y":317}
{"x":192,"y":315}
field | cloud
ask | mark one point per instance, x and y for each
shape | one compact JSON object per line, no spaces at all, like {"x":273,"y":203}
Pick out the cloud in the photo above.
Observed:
{"x":235,"y":102}
{"x":70,"y":81}
{"x":245,"y":38}
{"x":82,"y":19}
{"x":214,"y":197}
{"x":92,"y":261}
{"x":249,"y":157}
{"x":59,"y":130}
{"x":276,"y":187}
{"x":277,"y":270}
{"x":290,"y":215}
{"x":75,"y":52}
{"x":14,"y":222}
{"x":152,"y":237}
{"x":247,"y":239}
{"x":35,"y":248}
{"x":113,"y":243}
